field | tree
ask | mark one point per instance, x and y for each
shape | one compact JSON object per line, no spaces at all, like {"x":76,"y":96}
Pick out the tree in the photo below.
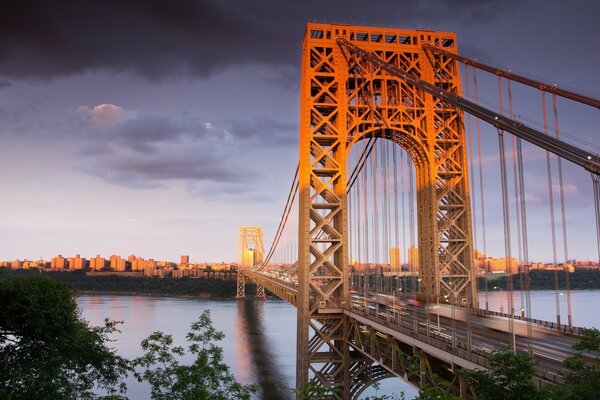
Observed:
{"x":582,"y":378}
{"x":46,"y":350}
{"x":206,"y":378}
{"x":510,"y":377}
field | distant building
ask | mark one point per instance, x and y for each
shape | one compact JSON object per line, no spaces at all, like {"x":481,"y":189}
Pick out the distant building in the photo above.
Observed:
{"x":413,"y":259}
{"x":58,"y":263}
{"x":185,"y":260}
{"x":501,"y":265}
{"x":77,"y":262}
{"x":395,"y":259}
{"x":117,"y":263}
{"x":97,"y":263}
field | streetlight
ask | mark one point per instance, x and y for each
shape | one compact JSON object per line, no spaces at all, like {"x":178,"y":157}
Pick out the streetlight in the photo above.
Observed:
{"x":394,"y":300}
{"x":501,"y":300}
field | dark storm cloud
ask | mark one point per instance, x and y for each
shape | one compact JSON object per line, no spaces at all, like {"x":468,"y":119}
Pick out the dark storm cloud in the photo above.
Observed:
{"x":144,"y":134}
{"x":160,"y":39}
{"x":150,"y":171}
{"x":146,"y":150}
{"x":265,"y":131}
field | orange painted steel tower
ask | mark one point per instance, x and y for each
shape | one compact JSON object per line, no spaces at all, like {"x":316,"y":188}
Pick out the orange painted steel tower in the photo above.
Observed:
{"x":345,"y":97}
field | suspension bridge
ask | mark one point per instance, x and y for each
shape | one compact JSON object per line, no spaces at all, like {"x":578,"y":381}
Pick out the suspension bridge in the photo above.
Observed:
{"x":389,"y":119}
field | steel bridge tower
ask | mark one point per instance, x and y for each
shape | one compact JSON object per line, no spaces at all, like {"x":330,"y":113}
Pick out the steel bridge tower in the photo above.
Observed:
{"x":345,"y":99}
{"x":251,"y":253}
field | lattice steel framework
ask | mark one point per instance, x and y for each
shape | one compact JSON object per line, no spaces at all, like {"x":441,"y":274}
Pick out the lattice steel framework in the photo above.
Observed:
{"x":345,"y":98}
{"x":250,"y":243}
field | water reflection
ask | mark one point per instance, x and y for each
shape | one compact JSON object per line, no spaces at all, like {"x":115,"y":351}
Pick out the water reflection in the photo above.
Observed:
{"x":271,"y":382}
{"x":260,"y":342}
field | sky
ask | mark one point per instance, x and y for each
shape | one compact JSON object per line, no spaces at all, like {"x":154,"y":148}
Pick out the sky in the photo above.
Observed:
{"x":157,"y":128}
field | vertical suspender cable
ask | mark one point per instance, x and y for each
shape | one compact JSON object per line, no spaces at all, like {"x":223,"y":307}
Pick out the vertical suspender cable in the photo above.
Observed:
{"x":596,"y":190}
{"x":481,"y":199}
{"x":366,"y":226}
{"x":513,"y":142}
{"x":517,"y":156}
{"x":375,"y":216}
{"x":552,"y":223}
{"x":507,"y":236}
{"x":359,"y":238}
{"x":350,"y":208}
{"x":386,"y":203}
{"x":471,"y":172}
{"x":507,"y":247}
{"x":403,"y":194}
{"x":411,"y":209}
{"x":523,"y":213}
{"x":563,"y":218}
{"x":396,"y":238}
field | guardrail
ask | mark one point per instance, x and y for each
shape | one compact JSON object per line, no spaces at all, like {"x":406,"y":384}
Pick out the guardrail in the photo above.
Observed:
{"x":573,"y":330}
{"x":448,"y":343}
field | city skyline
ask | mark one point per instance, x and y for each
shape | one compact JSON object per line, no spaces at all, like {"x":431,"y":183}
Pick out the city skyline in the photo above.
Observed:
{"x":160,"y":131}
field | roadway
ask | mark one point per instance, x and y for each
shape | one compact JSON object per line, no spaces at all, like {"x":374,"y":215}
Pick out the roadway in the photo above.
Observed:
{"x":549,"y":347}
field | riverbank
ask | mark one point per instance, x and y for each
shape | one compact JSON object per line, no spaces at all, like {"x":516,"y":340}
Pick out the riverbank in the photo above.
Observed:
{"x":164,"y":287}
{"x":211,"y":288}
{"x":545,"y":280}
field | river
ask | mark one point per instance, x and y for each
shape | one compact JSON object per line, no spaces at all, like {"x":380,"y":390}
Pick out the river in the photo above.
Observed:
{"x":260,"y":341}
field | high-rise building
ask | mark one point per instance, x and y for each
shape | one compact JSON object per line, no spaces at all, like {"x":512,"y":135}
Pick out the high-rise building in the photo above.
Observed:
{"x":117,"y":263}
{"x":250,"y":246}
{"x":413,"y":258}
{"x":97,"y":263}
{"x":185,"y":260}
{"x":58,"y":262}
{"x":395,"y":259}
{"x":76,"y":262}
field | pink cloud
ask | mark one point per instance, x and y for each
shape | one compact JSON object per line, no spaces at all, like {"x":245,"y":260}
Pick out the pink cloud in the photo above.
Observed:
{"x":105,"y":114}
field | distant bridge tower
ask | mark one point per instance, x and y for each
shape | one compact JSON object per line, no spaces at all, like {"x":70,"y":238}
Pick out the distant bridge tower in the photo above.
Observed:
{"x":345,"y":98}
{"x":251,"y":253}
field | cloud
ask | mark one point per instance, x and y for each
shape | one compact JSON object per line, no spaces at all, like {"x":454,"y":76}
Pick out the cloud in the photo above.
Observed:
{"x":532,"y":198}
{"x":264,"y":131}
{"x":105,"y":114}
{"x":147,"y":151}
{"x":158,"y":40}
{"x":569,"y":189}
{"x":152,"y":172}
{"x":5,"y":83}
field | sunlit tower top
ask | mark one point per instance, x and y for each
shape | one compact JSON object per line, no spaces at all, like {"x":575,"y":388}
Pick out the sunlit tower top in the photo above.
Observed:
{"x":251,"y":250}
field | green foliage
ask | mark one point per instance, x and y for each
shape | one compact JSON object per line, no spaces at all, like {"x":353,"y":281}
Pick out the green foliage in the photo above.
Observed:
{"x":436,"y":389}
{"x":313,"y":391}
{"x":590,"y":340}
{"x":206,"y":378}
{"x":46,"y":350}
{"x":544,"y":280}
{"x":582,"y":378}
{"x":509,"y":378}
{"x":214,"y":288}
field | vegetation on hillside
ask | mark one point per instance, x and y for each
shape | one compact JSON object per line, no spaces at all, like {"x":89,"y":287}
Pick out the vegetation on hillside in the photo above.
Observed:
{"x":48,"y":351}
{"x":78,"y":280}
{"x":544,"y":280}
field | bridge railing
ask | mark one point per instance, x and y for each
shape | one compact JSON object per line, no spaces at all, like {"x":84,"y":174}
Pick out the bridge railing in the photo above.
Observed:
{"x":426,"y":333}
{"x":567,"y":330}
